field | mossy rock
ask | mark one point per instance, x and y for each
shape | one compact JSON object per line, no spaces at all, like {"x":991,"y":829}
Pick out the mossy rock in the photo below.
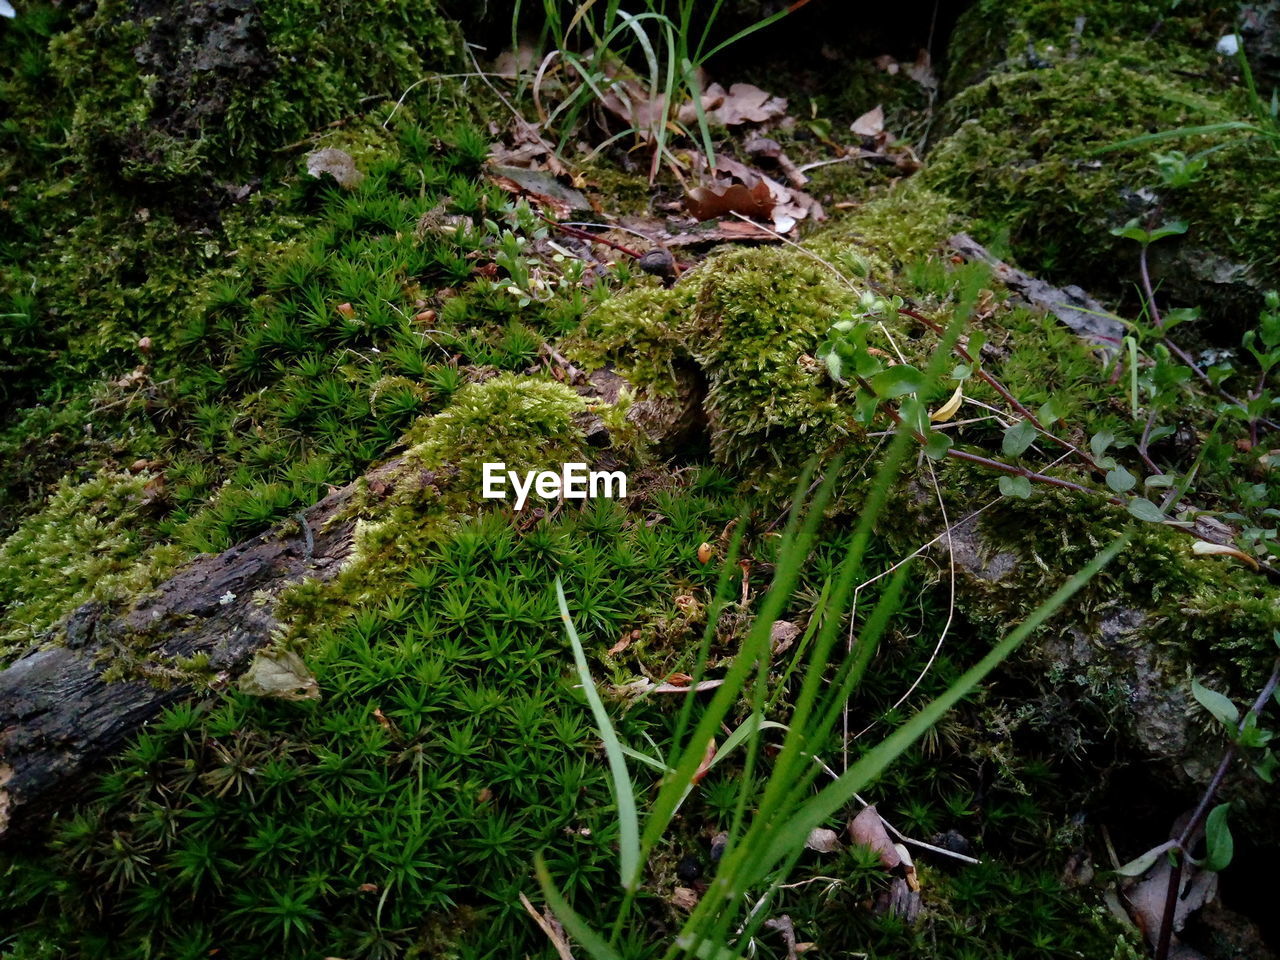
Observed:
{"x":1025,"y":157}
{"x":167,"y":93}
{"x":991,"y":33}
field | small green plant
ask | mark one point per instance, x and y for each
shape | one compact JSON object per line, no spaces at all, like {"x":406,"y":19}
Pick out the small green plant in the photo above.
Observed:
{"x":1244,"y":734}
{"x":776,"y":813}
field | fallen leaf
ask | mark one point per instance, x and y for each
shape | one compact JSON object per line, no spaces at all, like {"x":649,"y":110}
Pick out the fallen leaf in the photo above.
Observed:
{"x":867,"y":829}
{"x":782,"y":635}
{"x":741,"y":103}
{"x":707,"y":203}
{"x":540,"y":186}
{"x":280,"y":674}
{"x":922,"y":71}
{"x":551,"y":927}
{"x":950,"y":408}
{"x":870,"y":124}
{"x":625,"y":642}
{"x":1146,"y":898}
{"x":822,"y":840}
{"x":1203,"y":548}
{"x":684,"y":898}
{"x":707,"y":756}
{"x":886,"y":63}
{"x":336,"y":163}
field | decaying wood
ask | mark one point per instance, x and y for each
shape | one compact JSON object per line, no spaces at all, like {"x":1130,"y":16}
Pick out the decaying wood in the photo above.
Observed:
{"x":1075,"y":308}
{"x":58,"y":716}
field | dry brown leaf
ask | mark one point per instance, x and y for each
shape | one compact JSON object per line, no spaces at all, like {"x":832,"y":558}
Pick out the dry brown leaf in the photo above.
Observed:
{"x":922,"y":71}
{"x":541,"y":187}
{"x":684,"y":899}
{"x":741,"y":103}
{"x":789,"y":204}
{"x":549,"y":925}
{"x":782,"y":635}
{"x":707,"y":203}
{"x":868,"y":830}
{"x":707,"y":756}
{"x":870,"y":124}
{"x":625,"y":642}
{"x":1146,"y":898}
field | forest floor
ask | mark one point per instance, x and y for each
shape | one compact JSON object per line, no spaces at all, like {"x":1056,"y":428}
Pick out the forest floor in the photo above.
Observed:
{"x":923,"y":594}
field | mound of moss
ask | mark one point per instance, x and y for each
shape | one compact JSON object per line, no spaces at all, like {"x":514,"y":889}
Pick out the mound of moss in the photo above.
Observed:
{"x":1025,"y":153}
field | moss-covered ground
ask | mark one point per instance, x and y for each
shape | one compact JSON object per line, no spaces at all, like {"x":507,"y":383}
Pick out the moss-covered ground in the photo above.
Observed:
{"x":198,"y":339}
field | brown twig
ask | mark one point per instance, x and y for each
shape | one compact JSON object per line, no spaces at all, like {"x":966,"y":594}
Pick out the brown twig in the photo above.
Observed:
{"x":593,"y":238}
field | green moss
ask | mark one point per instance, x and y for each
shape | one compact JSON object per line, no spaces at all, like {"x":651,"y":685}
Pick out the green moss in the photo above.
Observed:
{"x":523,"y":421}
{"x":995,"y":32}
{"x":191,"y":92}
{"x":85,"y":544}
{"x":900,"y":225}
{"x":755,"y":328}
{"x":640,"y":332}
{"x":1022,"y":157}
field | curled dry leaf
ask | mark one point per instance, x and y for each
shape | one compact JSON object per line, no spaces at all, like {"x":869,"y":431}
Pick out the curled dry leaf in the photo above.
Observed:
{"x":950,"y":408}
{"x":707,"y":203}
{"x":1203,"y":548}
{"x":280,"y":674}
{"x":867,"y":829}
{"x":822,"y":840}
{"x":337,"y":164}
{"x":707,"y":756}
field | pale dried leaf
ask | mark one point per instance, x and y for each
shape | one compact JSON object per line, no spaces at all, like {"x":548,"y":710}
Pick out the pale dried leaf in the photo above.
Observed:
{"x":684,"y":899}
{"x":922,"y":71}
{"x":870,"y":124}
{"x":280,"y":674}
{"x":1203,"y":548}
{"x":782,"y":635}
{"x":336,"y":163}
{"x":822,"y":840}
{"x":1146,"y":898}
{"x":950,"y":408}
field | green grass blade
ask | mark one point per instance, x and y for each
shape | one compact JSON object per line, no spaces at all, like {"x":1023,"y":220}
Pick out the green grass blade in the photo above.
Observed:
{"x":816,"y":810}
{"x":623,"y":793}
{"x":1196,"y":131}
{"x":576,"y":927}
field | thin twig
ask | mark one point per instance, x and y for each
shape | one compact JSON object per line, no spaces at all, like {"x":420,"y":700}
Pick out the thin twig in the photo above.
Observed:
{"x":1184,"y":839}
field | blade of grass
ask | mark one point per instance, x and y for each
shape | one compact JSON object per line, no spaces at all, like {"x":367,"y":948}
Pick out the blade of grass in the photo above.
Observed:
{"x":577,"y":928}
{"x":623,"y":794}
{"x":815,"y":811}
